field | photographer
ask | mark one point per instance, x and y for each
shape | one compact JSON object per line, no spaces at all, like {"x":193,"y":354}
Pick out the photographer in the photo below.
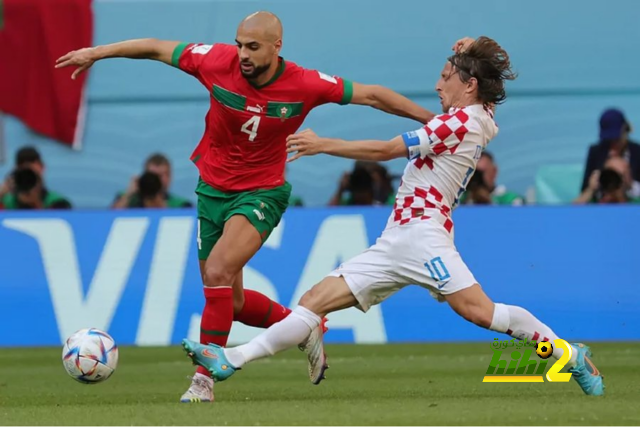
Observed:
{"x":150,"y":191}
{"x":614,"y":142}
{"x":487,"y":171}
{"x":368,"y":184}
{"x":21,"y":190}
{"x":29,"y":193}
{"x":355,"y":189}
{"x":158,"y":164}
{"x":610,"y":185}
{"x":478,"y":191}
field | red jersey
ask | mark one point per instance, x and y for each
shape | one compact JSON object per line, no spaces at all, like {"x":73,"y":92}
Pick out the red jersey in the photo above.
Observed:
{"x":244,"y":143}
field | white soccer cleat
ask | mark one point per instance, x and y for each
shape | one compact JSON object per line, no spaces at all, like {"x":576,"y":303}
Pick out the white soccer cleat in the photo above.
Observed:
{"x":201,"y":390}
{"x":314,"y":347}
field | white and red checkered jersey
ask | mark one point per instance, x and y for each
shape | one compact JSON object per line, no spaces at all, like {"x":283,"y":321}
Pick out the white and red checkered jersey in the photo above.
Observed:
{"x":442,"y":157}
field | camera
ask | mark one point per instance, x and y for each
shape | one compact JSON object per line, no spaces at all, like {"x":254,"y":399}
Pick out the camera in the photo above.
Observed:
{"x":477,"y":181}
{"x":149,"y":185}
{"x":610,"y":181}
{"x":25,"y":180}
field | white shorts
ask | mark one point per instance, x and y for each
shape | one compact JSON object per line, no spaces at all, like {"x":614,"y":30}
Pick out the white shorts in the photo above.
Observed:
{"x":422,"y":253}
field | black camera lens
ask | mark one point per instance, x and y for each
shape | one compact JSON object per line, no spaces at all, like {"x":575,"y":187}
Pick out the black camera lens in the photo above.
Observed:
{"x":25,"y":180}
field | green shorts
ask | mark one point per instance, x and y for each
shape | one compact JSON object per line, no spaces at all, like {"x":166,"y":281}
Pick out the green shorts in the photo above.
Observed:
{"x":263,"y":209}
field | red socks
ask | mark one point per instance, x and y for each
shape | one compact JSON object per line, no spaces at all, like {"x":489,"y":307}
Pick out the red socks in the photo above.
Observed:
{"x":260,"y":311}
{"x":217,"y":317}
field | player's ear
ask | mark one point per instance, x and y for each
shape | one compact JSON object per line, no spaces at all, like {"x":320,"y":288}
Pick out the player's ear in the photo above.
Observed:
{"x":278,"y":45}
{"x":472,"y":84}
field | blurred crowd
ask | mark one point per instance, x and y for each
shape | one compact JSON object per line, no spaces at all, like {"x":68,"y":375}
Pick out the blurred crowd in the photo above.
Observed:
{"x":611,"y":175}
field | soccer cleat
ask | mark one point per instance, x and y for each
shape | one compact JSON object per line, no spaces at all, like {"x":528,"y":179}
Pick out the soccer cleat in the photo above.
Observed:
{"x":211,"y":357}
{"x":585,"y":372}
{"x":201,"y":390}
{"x":316,"y":356}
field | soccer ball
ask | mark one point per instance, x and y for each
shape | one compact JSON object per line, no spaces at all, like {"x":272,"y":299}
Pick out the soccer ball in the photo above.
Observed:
{"x":544,"y":349}
{"x":90,"y":356}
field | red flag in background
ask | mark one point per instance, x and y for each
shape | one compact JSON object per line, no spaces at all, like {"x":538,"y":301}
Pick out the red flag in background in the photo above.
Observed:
{"x":33,"y":34}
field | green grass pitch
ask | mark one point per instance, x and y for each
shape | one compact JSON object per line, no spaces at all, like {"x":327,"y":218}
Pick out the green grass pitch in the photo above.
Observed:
{"x":418,"y":384}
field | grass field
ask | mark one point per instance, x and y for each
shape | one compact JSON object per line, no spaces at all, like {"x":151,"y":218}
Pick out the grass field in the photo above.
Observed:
{"x":367,"y":385}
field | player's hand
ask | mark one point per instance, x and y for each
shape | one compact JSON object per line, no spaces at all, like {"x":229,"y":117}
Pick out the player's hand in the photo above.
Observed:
{"x":83,"y":59}
{"x":305,"y":143}
{"x":462,"y":44}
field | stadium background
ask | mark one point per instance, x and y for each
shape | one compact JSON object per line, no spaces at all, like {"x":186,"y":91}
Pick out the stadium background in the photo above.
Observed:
{"x":134,"y":273}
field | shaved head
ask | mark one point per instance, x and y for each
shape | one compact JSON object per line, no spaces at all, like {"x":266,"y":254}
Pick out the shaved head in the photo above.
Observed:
{"x":259,"y":40}
{"x":263,"y":23}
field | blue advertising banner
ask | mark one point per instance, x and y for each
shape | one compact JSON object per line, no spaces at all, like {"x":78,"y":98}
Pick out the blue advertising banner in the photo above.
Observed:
{"x":135,"y":273}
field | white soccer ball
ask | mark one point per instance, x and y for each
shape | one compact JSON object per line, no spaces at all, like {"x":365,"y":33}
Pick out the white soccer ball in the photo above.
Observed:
{"x":90,"y":356}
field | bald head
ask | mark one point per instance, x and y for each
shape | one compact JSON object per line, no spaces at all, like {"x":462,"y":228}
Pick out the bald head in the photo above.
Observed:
{"x":259,"y":41}
{"x":265,"y":24}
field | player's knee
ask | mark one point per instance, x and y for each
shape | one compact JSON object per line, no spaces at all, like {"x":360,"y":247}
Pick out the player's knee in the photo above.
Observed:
{"x":309,"y":298}
{"x":313,"y":300}
{"x":216,"y":276}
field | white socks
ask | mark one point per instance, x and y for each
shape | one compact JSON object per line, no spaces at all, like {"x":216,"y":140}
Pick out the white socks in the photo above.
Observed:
{"x":287,"y":333}
{"x":297,"y":326}
{"x":521,"y":324}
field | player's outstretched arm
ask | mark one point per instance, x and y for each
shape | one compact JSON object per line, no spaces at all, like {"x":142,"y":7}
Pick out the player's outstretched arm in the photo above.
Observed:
{"x":83,"y":59}
{"x":307,"y":143}
{"x":391,"y":102}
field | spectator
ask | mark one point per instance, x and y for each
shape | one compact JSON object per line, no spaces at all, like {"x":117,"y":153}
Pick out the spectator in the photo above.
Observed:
{"x":24,"y":188}
{"x":383,"y":191}
{"x":484,"y":181}
{"x":478,"y":191}
{"x":611,"y":185}
{"x":614,"y":141}
{"x":150,"y":191}
{"x":132,"y":198}
{"x":368,"y":184}
{"x":356,"y":188}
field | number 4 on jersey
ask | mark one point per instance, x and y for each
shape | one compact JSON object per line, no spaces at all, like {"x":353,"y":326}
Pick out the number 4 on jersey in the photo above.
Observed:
{"x":251,"y":127}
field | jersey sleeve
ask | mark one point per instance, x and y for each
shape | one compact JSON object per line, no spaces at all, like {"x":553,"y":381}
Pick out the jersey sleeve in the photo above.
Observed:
{"x":192,"y":57}
{"x":441,"y":135}
{"x":328,"y":89}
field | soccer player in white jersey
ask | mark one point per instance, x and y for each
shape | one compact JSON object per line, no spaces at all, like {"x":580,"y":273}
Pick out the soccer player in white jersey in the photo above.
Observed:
{"x":417,"y":245}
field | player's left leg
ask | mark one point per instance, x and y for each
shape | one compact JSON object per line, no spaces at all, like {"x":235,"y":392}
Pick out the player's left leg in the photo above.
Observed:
{"x":264,"y":210}
{"x":260,"y":311}
{"x":361,"y":282}
{"x":331,"y":294}
{"x":475,"y":306}
{"x":226,"y":254}
{"x":256,"y":309}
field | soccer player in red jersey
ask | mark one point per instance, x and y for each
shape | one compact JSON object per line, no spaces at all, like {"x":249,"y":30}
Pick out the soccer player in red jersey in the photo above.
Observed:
{"x":257,"y":100}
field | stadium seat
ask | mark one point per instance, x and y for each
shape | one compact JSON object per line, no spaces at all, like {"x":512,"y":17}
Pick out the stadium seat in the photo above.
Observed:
{"x":558,"y":183}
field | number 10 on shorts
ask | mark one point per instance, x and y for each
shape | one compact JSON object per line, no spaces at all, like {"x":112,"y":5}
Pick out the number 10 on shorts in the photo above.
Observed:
{"x":437,"y":269}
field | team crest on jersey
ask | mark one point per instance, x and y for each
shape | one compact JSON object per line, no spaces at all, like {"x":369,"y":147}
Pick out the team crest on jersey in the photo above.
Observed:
{"x":284,"y":111}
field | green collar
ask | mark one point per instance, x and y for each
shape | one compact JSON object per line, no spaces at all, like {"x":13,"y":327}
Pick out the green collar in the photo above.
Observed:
{"x":278,"y":73}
